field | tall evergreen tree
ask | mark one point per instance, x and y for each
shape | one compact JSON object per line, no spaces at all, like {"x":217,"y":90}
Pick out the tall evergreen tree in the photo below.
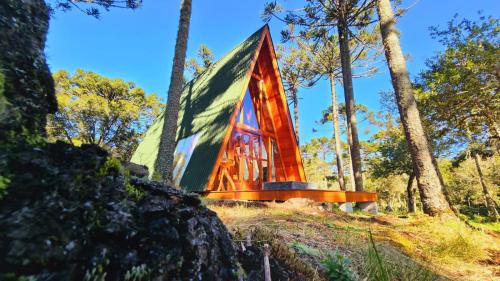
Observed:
{"x":349,"y":18}
{"x":428,"y":177}
{"x":296,"y":72}
{"x":165,"y":159}
{"x":327,"y":64}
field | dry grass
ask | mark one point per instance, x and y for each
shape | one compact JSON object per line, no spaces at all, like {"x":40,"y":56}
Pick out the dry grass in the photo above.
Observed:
{"x":443,"y":246}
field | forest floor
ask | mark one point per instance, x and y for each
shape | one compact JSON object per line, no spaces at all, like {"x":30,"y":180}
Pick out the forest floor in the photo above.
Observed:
{"x":414,"y":247}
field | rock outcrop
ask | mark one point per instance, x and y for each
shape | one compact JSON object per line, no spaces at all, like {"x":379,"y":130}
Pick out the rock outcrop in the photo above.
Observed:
{"x":73,"y":212}
{"x":26,"y":86}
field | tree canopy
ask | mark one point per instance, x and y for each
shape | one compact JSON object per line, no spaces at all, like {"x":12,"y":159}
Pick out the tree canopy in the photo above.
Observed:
{"x":465,"y":77}
{"x":93,"y":109}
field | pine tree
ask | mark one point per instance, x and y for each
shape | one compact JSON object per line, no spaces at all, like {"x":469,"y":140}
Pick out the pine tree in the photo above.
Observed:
{"x":428,"y":178}
{"x":349,"y":18}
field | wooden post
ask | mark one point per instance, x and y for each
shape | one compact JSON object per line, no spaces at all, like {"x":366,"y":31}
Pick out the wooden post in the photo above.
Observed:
{"x":267,"y":268}
{"x":249,"y":239}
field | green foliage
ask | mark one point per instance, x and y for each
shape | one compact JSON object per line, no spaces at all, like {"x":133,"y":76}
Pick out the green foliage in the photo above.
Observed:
{"x":337,"y":267}
{"x":91,"y":8}
{"x":205,"y":56}
{"x":113,"y":166}
{"x":316,"y":24}
{"x":317,"y":160}
{"x":296,"y":68}
{"x":464,"y":184}
{"x":108,"y":112}
{"x":391,"y":155}
{"x":133,"y":191}
{"x":486,"y":224}
{"x":4,"y":183}
{"x":138,"y":273}
{"x":364,"y":113}
{"x":302,"y":248}
{"x":464,"y":78}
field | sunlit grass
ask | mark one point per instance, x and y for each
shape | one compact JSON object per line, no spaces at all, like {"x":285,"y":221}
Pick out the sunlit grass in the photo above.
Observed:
{"x":445,"y":245}
{"x":491,"y":226}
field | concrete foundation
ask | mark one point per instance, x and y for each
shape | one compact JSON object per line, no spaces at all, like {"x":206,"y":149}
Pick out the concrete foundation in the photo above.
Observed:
{"x":369,"y":207}
{"x":346,"y":207}
{"x":284,"y":185}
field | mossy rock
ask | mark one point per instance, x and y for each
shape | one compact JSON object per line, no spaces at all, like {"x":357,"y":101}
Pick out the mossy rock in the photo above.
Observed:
{"x":68,"y":214}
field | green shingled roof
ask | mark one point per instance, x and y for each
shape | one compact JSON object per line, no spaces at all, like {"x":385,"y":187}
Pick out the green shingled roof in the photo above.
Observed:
{"x":207,"y":103}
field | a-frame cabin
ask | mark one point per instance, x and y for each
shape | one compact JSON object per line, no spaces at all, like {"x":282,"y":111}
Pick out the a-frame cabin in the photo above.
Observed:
{"x":235,"y":138}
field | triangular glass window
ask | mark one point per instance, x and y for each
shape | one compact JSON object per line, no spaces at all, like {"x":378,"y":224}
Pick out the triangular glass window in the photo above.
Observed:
{"x":247,"y":114}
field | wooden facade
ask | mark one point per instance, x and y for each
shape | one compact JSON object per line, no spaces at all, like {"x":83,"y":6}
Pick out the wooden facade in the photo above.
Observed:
{"x":235,"y":134}
{"x":261,"y":145}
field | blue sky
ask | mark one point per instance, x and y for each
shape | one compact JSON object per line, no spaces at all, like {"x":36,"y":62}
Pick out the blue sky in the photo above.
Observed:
{"x":139,"y":45}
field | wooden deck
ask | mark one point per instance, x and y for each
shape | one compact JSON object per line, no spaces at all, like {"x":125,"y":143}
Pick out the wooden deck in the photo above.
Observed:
{"x":318,"y":195}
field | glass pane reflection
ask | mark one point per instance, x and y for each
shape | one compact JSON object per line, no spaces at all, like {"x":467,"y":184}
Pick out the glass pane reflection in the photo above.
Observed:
{"x":182,"y":155}
{"x":247,"y":113}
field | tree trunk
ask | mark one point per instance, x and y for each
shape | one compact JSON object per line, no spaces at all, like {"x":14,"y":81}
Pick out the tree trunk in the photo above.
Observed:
{"x":345,"y":60}
{"x":494,"y":136}
{"x":429,"y":185}
{"x":409,"y":193}
{"x":351,"y":169}
{"x":446,"y":193}
{"x":295,"y":101}
{"x":336,"y":130}
{"x":490,"y":203}
{"x":165,"y":159}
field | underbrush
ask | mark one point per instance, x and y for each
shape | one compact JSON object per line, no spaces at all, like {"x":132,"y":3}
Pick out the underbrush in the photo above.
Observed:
{"x":413,"y":247}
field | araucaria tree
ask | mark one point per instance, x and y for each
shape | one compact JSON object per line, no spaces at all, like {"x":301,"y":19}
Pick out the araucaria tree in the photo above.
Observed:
{"x":296,"y":72}
{"x":97,"y":110}
{"x":348,"y":17}
{"x":164,"y":164}
{"x":204,"y":60}
{"x":429,"y":184}
{"x":327,"y":64}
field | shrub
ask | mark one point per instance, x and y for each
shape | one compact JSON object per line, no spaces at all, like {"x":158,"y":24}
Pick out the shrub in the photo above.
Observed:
{"x":337,"y":267}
